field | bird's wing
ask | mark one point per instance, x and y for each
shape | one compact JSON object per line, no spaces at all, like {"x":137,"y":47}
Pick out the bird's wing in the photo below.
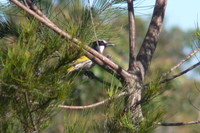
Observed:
{"x":81,"y":59}
{"x":75,"y":63}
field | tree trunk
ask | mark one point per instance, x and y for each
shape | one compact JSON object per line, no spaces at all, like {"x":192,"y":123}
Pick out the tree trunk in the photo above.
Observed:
{"x":133,"y":106}
{"x":134,"y":86}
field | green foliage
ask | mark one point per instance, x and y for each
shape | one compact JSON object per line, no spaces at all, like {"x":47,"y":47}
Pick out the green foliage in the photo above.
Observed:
{"x":30,"y":82}
{"x":77,"y":125}
{"x":154,"y":90}
{"x":118,"y":121}
{"x":34,"y":63}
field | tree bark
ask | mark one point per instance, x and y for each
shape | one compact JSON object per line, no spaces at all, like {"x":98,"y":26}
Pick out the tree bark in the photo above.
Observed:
{"x":132,"y":31}
{"x":139,"y":67}
{"x":132,"y":105}
{"x":149,"y":44}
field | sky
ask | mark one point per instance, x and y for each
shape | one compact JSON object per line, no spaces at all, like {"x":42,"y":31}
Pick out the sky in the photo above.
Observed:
{"x":183,"y":14}
{"x":179,"y":13}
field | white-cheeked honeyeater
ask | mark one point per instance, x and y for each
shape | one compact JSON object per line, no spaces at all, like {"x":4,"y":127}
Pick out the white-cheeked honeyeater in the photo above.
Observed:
{"x":84,"y":63}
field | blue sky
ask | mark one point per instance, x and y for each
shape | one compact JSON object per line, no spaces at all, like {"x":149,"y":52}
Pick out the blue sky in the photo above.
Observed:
{"x":184,"y":14}
{"x":179,"y":13}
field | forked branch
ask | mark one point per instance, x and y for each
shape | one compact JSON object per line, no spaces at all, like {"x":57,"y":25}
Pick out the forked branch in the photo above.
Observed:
{"x":146,"y":86}
{"x":181,"y":62}
{"x":179,"y":74}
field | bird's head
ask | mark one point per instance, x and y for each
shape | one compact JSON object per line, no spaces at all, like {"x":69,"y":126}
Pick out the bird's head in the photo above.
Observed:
{"x":100,"y":45}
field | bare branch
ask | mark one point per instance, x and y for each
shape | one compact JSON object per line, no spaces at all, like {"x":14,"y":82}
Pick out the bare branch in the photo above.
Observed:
{"x":92,"y":105}
{"x":149,"y":44}
{"x":179,"y":74}
{"x":181,"y":62}
{"x":179,"y":123}
{"x":95,"y":56}
{"x":146,"y":86}
{"x":131,"y":35}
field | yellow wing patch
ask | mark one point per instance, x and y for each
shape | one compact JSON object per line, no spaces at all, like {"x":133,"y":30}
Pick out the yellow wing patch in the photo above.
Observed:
{"x":79,"y":60}
{"x":70,"y":69}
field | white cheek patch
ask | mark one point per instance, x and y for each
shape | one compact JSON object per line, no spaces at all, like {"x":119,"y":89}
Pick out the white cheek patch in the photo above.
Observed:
{"x":101,"y":49}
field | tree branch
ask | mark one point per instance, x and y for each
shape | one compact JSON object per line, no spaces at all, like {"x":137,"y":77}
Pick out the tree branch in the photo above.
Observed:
{"x":131,"y":18}
{"x":179,"y":74}
{"x":180,"y":63}
{"x":146,"y":86}
{"x":36,"y":10}
{"x":95,"y":56}
{"x":149,"y":44}
{"x":179,"y":123}
{"x":93,"y":105}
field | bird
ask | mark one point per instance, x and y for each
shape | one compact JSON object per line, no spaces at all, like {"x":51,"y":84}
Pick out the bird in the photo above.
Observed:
{"x":83,"y":62}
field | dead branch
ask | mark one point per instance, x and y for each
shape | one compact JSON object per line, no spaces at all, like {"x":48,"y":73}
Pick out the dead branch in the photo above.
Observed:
{"x":149,"y":44}
{"x":179,"y":74}
{"x":93,"y":105}
{"x":146,"y":86}
{"x":179,"y":123}
{"x":180,"y":63}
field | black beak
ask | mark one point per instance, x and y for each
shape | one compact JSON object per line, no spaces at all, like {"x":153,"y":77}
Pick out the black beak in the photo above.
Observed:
{"x":109,"y":44}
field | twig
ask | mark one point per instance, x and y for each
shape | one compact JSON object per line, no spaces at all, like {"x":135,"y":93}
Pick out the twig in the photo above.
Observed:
{"x":93,"y":105}
{"x":179,"y":123}
{"x":180,"y":63}
{"x":131,"y":17}
{"x":179,"y":74}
